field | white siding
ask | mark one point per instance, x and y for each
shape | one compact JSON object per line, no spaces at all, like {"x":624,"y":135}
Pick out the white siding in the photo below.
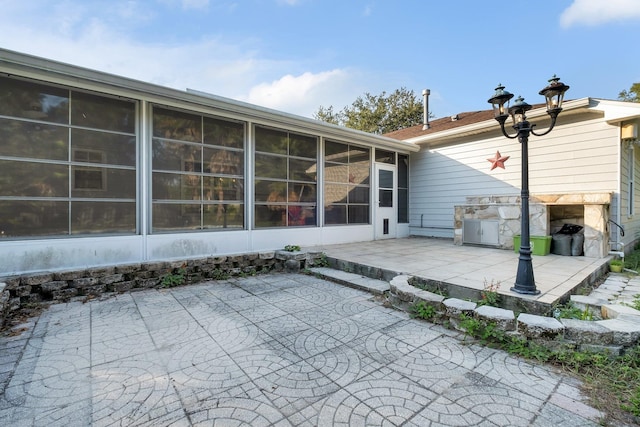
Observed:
{"x":577,"y":157}
{"x":442,"y":178}
{"x":631,"y":223}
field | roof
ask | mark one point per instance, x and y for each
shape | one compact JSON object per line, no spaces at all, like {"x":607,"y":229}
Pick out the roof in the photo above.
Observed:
{"x":476,"y":122}
{"x":441,"y":124}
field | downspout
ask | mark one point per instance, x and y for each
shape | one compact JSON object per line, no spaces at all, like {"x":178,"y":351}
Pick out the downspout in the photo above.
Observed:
{"x":619,"y":204}
{"x":425,"y":119}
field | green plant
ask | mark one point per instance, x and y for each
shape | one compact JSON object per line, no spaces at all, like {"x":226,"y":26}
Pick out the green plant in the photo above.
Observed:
{"x":174,"y":278}
{"x":423,"y":310}
{"x":245,"y":274}
{"x":613,"y":382}
{"x":432,"y":286}
{"x":219,"y":274}
{"x":321,"y":261}
{"x":292,"y":248}
{"x":517,"y":345}
{"x":489,"y":295}
{"x":536,"y":351}
{"x":470,"y":325}
{"x":632,"y":260}
{"x":635,"y":303}
{"x":616,"y":265}
{"x":570,"y":311}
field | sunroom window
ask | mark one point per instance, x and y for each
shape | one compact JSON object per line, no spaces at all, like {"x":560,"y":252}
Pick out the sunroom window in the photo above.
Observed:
{"x":347,"y":173}
{"x":285,"y":178}
{"x":198,"y":172}
{"x":68,"y":161}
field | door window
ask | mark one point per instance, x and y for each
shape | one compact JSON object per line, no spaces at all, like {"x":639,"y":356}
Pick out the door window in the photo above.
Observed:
{"x":385,"y":188}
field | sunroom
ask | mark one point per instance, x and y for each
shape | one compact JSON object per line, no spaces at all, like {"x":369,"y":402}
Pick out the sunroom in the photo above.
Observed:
{"x":102,"y":170}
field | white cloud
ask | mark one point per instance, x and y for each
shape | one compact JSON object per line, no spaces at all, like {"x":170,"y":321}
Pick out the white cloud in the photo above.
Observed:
{"x":596,"y":12}
{"x":237,"y":69}
{"x":303,"y":94}
{"x":206,"y":65}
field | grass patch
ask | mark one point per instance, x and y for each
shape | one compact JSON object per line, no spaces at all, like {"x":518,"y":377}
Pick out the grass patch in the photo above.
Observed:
{"x":570,"y":311}
{"x":432,"y":286}
{"x":175,"y":277}
{"x":423,"y":310}
{"x":612,"y":383}
{"x":632,"y":260}
{"x":635,"y":304}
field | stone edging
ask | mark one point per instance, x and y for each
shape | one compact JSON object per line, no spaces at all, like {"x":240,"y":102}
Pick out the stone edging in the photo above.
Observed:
{"x":44,"y":288}
{"x":619,"y":330}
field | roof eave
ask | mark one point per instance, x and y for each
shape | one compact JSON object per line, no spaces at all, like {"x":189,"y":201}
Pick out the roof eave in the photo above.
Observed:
{"x":489,"y":125}
{"x":616,"y":112}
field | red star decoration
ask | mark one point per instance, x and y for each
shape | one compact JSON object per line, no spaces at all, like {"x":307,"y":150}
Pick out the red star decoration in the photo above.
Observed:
{"x":498,"y":161}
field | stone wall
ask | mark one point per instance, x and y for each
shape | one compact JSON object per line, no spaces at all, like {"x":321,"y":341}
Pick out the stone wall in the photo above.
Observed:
{"x":507,"y":209}
{"x":617,"y":330}
{"x":17,"y":292}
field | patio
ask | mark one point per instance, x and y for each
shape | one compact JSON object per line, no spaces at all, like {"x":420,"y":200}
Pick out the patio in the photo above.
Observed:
{"x":471,"y":266}
{"x":270,"y":350}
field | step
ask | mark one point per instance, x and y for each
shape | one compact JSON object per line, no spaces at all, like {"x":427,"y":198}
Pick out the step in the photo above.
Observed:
{"x":357,"y":281}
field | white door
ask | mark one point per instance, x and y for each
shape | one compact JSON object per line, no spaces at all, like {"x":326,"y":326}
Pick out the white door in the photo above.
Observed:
{"x":385,"y":213}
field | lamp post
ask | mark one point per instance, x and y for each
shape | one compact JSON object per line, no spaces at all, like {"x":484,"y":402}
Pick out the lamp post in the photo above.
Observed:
{"x":554,"y":95}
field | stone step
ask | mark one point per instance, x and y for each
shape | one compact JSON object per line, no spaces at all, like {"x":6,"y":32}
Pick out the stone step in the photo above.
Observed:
{"x":374,"y":286}
{"x":608,"y":336}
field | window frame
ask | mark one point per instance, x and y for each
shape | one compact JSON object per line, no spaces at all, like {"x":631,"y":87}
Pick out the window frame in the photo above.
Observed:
{"x":403,"y":219}
{"x":202,"y":202}
{"x":285,"y":212}
{"x":631,"y":165}
{"x":106,"y":214}
{"x":348,"y":208}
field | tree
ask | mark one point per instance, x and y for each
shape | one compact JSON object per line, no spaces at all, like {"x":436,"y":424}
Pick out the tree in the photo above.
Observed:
{"x":631,"y":95}
{"x":377,"y":114}
{"x":327,"y":115}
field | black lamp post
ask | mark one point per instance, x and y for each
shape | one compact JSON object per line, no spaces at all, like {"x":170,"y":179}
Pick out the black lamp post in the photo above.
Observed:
{"x":554,"y":94}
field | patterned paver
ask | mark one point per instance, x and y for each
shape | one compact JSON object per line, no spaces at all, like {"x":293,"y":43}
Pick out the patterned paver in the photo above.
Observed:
{"x":274,"y":350}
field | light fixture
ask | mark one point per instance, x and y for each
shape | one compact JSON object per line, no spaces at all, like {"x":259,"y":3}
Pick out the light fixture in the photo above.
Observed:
{"x":554,"y":96}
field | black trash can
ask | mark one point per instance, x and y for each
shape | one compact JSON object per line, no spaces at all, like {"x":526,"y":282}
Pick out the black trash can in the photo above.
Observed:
{"x":561,"y":244}
{"x":577,"y":244}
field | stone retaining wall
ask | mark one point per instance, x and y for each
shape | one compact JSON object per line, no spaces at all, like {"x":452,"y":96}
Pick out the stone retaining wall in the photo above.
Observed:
{"x":17,"y":292}
{"x":619,"y":329}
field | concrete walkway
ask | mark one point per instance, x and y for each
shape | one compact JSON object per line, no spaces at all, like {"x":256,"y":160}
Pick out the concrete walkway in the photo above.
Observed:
{"x":281,"y":350}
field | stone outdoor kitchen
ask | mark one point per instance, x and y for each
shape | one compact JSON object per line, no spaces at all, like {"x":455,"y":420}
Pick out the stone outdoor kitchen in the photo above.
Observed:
{"x":496,"y":219}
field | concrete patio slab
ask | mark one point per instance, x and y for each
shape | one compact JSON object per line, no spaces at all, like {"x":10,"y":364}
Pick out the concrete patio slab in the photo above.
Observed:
{"x":271,"y":350}
{"x":472,"y":267}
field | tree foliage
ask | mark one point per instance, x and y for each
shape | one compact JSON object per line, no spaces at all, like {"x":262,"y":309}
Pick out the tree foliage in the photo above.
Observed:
{"x":631,"y":95}
{"x":328,"y":115}
{"x":377,"y":114}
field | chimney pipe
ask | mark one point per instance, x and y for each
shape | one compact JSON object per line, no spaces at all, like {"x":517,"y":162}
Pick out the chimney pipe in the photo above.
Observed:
{"x":425,"y":120}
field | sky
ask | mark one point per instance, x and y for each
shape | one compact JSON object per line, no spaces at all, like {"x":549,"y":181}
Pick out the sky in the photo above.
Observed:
{"x":297,"y":55}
